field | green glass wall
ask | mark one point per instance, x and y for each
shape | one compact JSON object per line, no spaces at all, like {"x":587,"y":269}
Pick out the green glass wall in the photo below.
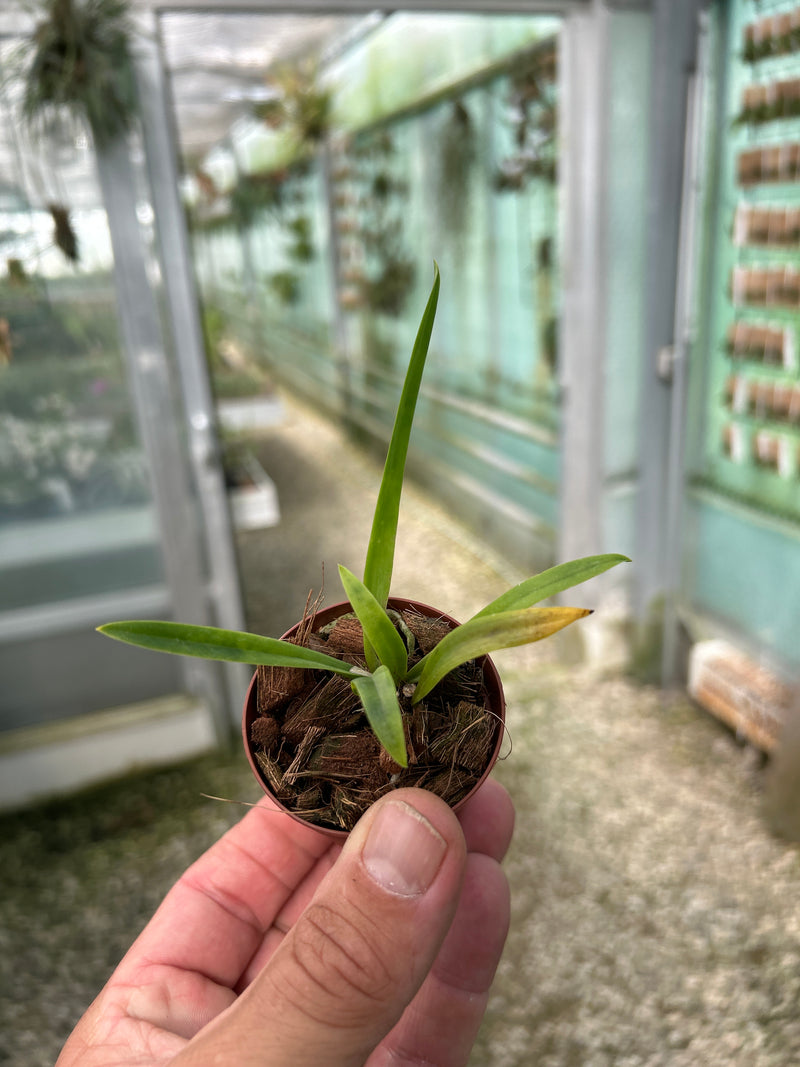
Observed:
{"x":743,"y":521}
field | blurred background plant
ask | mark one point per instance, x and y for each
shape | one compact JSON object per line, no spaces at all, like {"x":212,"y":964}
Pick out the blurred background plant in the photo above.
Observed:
{"x":67,"y":439}
{"x":457,"y":157}
{"x":532,"y":115}
{"x":381,"y":199}
{"x":78,"y":61}
{"x":300,"y":104}
{"x":55,"y":465}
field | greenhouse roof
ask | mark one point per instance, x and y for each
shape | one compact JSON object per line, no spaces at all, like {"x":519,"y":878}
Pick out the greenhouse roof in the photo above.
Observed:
{"x":219,"y":62}
{"x":216,"y":64}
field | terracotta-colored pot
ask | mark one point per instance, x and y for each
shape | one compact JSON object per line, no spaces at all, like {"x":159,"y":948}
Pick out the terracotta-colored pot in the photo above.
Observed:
{"x":494,"y":700}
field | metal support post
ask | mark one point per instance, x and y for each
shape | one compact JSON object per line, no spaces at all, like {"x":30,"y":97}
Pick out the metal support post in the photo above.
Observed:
{"x":183,"y":306}
{"x":156,"y":414}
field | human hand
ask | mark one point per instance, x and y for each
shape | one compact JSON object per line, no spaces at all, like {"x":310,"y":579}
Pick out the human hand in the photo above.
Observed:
{"x":278,"y":949}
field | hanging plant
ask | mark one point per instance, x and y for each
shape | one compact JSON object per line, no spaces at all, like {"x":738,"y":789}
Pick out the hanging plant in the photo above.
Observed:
{"x":302,"y":247}
{"x":6,"y":343}
{"x":206,"y":185}
{"x":286,"y":286}
{"x":550,"y":345}
{"x":271,"y":112}
{"x":16,"y":272}
{"x":299,"y":104}
{"x":311,"y":115}
{"x":63,"y":233}
{"x":546,"y":314}
{"x":381,"y":185}
{"x":388,"y":268}
{"x":254,"y":193}
{"x":387,"y":292}
{"x":533,"y":115}
{"x":457,"y":155}
{"x":78,"y":60}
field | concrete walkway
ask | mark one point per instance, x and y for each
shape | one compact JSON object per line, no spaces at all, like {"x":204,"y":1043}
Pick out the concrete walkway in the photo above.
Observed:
{"x":327,"y":490}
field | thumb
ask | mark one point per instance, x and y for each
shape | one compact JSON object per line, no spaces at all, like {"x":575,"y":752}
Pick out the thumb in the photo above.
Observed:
{"x":345,"y":973}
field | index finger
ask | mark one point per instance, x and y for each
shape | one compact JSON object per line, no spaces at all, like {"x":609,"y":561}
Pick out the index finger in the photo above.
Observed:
{"x":214,"y":918}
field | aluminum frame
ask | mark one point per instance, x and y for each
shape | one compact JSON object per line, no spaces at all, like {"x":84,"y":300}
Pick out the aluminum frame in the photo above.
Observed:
{"x":154,"y":408}
{"x":156,"y":115}
{"x":584,"y":167}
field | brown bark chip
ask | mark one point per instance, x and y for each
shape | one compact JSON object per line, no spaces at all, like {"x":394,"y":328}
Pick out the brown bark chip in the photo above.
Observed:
{"x":276,"y":685}
{"x":427,"y":631}
{"x":346,"y":636}
{"x":325,"y":761}
{"x":265,"y":732}
{"x":331,"y":704}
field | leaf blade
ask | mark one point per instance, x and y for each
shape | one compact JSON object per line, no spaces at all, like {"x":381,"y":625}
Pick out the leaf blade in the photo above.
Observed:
{"x":378,"y":695}
{"x":550,"y":582}
{"x":480,"y":636}
{"x":380,"y":551}
{"x":209,"y":642}
{"x":379,"y":632}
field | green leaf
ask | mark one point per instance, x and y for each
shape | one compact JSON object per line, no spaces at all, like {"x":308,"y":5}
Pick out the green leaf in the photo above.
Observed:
{"x":480,"y":636}
{"x":379,"y":632}
{"x":378,"y":694}
{"x":208,"y":642}
{"x":380,"y":551}
{"x":550,"y":582}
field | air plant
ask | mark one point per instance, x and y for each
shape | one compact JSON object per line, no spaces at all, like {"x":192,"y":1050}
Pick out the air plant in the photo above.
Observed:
{"x":78,"y":60}
{"x":63,"y":232}
{"x":300,"y":103}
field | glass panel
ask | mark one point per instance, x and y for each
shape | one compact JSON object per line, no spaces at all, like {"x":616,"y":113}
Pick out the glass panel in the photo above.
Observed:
{"x":78,"y":536}
{"x":76,"y":516}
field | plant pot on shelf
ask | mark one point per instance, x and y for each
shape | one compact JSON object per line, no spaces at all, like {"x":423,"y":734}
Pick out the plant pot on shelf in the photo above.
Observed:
{"x":253,"y":413}
{"x":311,"y":748}
{"x":252,"y":495}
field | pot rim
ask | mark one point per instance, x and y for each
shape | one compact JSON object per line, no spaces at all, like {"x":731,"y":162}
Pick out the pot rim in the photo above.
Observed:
{"x":493,"y":688}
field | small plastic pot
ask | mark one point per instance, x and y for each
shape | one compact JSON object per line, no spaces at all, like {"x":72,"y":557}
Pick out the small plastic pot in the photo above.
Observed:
{"x":494,"y":700}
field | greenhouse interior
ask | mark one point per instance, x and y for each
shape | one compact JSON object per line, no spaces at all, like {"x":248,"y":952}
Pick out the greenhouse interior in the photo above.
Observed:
{"x":219,"y":227}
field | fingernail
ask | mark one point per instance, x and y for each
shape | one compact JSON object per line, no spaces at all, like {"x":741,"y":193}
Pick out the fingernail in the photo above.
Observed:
{"x":403,"y":851}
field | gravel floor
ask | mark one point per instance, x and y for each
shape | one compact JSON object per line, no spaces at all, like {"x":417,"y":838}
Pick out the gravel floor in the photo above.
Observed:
{"x":655,"y":919}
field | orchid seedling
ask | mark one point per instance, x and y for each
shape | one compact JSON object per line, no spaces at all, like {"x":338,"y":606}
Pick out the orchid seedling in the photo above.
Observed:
{"x":510,"y":620}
